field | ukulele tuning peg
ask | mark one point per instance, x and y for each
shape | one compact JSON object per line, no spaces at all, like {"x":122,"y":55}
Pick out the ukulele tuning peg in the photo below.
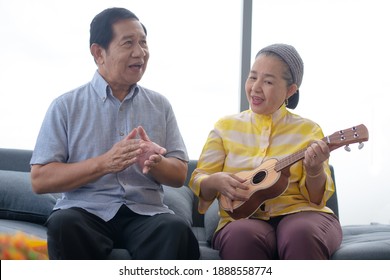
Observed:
{"x":347,"y":148}
{"x":361,"y":145}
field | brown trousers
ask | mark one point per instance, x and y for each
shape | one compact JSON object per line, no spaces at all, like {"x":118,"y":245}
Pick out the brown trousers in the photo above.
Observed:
{"x":299,"y":236}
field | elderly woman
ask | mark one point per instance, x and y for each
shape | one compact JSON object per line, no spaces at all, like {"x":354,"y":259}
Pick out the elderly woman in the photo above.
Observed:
{"x":296,"y":223}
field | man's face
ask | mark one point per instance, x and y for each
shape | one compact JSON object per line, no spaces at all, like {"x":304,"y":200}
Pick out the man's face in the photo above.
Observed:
{"x":124,"y":62}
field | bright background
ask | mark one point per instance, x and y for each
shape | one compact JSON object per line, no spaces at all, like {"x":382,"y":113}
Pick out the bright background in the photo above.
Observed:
{"x":195,"y":50}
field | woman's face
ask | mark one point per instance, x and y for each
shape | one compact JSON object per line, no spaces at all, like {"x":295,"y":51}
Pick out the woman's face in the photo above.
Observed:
{"x":266,"y":90}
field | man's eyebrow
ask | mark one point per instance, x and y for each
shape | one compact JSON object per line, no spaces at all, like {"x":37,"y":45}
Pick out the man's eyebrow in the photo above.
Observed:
{"x":127,"y":37}
{"x":131,"y":36}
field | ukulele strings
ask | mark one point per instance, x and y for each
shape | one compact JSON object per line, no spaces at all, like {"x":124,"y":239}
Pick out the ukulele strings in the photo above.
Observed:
{"x":283,"y":162}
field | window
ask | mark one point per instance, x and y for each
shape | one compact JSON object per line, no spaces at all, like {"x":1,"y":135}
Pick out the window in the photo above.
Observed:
{"x":344,"y":47}
{"x":194,"y":60}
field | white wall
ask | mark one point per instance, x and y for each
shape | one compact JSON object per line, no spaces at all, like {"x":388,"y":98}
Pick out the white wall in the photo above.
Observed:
{"x":195,"y":52}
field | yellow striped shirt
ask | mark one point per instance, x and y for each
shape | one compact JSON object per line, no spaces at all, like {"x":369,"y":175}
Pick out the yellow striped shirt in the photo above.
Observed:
{"x":244,"y":141}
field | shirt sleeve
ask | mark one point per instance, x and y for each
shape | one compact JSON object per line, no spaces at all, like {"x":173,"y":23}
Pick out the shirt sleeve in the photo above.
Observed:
{"x":211,"y":161}
{"x":51,"y":144}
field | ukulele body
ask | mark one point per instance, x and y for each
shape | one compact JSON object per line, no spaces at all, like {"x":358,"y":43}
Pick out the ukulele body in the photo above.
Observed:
{"x":264,"y":183}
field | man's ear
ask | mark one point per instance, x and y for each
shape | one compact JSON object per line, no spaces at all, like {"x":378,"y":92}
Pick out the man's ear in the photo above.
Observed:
{"x":97,"y":53}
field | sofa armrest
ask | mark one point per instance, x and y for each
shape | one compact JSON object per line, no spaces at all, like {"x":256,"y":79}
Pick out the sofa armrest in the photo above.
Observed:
{"x":19,"y":202}
{"x":15,"y":159}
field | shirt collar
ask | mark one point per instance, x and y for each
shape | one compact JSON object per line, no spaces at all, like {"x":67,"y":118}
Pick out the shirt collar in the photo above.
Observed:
{"x":103,"y":90}
{"x":274,"y":117}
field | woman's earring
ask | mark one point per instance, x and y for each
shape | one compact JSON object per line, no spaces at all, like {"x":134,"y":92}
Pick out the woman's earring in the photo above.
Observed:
{"x":286,"y":101}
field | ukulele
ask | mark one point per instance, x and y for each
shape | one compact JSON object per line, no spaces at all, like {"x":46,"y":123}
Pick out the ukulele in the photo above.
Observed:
{"x":271,"y":178}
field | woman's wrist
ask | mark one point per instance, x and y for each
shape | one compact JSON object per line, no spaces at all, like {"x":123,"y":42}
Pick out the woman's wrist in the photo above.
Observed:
{"x":315,"y":175}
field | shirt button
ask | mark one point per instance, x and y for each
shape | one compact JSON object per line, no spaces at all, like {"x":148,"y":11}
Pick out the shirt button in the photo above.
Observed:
{"x":121,"y":133}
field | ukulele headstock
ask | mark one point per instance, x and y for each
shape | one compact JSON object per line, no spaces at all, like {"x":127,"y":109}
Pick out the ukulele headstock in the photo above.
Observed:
{"x":345,"y":137}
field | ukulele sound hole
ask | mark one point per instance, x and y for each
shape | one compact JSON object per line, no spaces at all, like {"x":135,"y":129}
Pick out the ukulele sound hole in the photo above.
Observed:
{"x":259,"y":177}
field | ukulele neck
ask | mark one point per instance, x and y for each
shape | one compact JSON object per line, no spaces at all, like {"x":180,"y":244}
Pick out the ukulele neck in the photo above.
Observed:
{"x":293,"y":158}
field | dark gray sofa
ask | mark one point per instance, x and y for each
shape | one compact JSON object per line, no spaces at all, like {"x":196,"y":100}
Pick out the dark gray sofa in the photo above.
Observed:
{"x":23,"y":210}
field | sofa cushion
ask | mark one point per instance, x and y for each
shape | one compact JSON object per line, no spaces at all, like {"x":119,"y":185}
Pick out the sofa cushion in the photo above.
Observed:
{"x":19,"y":202}
{"x":180,"y":201}
{"x":211,"y":219}
{"x":364,"y":242}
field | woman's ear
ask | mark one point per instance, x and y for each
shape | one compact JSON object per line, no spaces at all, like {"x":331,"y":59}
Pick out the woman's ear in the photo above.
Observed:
{"x":97,"y":53}
{"x":292,"y":90}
